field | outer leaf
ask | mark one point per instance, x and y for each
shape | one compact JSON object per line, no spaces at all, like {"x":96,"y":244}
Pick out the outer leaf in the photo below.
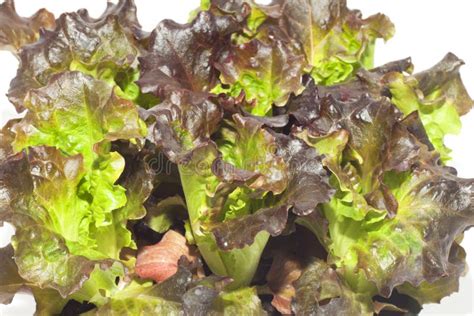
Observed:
{"x":443,"y":81}
{"x":74,"y":112}
{"x":240,"y":9}
{"x":10,"y":280}
{"x":268,"y":74}
{"x":183,"y":123}
{"x":101,"y":285}
{"x":364,"y":126}
{"x":50,"y":240}
{"x":14,"y":177}
{"x":138,"y":298}
{"x":180,"y":294}
{"x":49,"y":191}
{"x":73,"y":201}
{"x":48,"y":301}
{"x":414,"y":247}
{"x":137,"y":305}
{"x":126,"y":13}
{"x":102,"y":48}
{"x":44,"y":260}
{"x":433,"y":292}
{"x":321,"y":291}
{"x":181,"y":56}
{"x":16,"y":31}
{"x":439,"y":96}
{"x":443,"y":99}
{"x":335,"y":40}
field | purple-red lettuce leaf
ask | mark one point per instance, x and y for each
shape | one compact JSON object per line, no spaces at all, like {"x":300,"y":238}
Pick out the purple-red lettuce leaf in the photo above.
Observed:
{"x":105,"y":48}
{"x":17,"y":31}
{"x":353,"y":135}
{"x":335,"y":40}
{"x":181,"y":56}
{"x":266,"y":73}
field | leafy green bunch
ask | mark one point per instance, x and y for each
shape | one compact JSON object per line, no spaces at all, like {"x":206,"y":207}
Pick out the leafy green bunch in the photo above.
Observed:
{"x":249,"y":162}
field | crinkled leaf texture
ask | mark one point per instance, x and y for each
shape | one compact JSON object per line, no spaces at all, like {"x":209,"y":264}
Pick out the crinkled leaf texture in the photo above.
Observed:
{"x":16,"y":31}
{"x":68,"y":212}
{"x":48,"y":301}
{"x":335,"y":40}
{"x":266,"y":73}
{"x":398,"y":214}
{"x":181,"y":56}
{"x":354,"y":154}
{"x":353,"y":135}
{"x":105,"y":48}
{"x":181,"y":294}
{"x":437,"y":95}
{"x":321,"y":291}
{"x":228,"y":184}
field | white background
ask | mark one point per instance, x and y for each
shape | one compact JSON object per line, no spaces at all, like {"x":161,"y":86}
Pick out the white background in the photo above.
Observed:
{"x":426,"y":31}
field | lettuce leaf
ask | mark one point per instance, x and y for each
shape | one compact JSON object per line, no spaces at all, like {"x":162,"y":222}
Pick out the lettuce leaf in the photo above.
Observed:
{"x":321,"y":291}
{"x":335,"y":40}
{"x":16,"y":31}
{"x":170,"y":63}
{"x":444,"y":99}
{"x":267,"y":74}
{"x":68,"y":212}
{"x":108,"y":53}
{"x":258,"y":133}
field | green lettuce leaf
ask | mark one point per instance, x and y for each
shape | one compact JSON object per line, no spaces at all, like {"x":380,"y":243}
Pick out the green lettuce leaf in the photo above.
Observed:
{"x":239,"y":302}
{"x":164,"y":214}
{"x":51,"y":242}
{"x":179,"y":294}
{"x":374,"y":253}
{"x":200,"y":186}
{"x":418,"y":246}
{"x":44,"y":260}
{"x":243,"y":195}
{"x":439,"y":96}
{"x":307,"y":186}
{"x":73,"y":113}
{"x":68,"y":211}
